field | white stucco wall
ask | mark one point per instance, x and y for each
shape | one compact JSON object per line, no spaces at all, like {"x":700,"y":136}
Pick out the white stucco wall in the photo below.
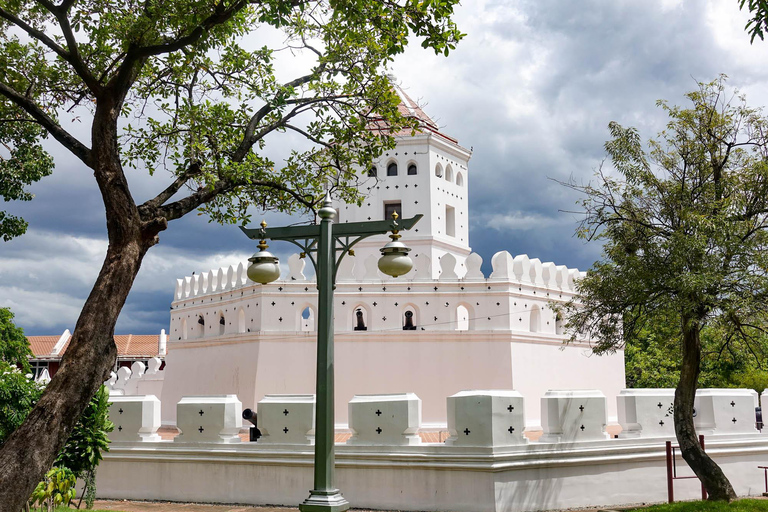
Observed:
{"x":541,"y":366}
{"x":427,"y":477}
{"x":431,"y":365}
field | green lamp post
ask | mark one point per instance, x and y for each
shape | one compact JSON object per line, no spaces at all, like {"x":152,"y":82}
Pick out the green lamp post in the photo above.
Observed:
{"x":329,"y":243}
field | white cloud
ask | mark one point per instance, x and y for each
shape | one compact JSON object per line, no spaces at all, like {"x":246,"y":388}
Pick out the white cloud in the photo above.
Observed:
{"x":516,"y":221}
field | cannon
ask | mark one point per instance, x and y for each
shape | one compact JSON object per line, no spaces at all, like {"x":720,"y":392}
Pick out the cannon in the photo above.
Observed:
{"x":254,"y":431}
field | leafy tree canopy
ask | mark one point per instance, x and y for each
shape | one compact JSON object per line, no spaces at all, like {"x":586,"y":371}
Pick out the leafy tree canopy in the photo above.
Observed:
{"x":652,"y":359}
{"x":758,"y":23}
{"x":14,"y":347}
{"x":18,"y":394}
{"x":684,"y":226}
{"x":198,"y":101}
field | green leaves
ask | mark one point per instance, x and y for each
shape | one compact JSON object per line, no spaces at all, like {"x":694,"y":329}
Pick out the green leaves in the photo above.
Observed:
{"x":684,"y":223}
{"x":57,"y":488}
{"x":89,"y":438}
{"x":18,"y":394}
{"x":191,"y":99}
{"x":14,"y":347}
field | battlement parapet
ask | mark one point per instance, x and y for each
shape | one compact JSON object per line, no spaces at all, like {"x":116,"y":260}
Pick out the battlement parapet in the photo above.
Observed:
{"x":517,"y":296}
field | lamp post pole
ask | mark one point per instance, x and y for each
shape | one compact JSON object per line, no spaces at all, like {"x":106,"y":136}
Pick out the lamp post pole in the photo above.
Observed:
{"x":325,"y":241}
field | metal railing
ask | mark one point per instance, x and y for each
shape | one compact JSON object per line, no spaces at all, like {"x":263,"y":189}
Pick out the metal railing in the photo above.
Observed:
{"x":672,"y":471}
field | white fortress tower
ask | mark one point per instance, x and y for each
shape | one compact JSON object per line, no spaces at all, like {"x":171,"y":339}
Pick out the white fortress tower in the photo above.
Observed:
{"x":426,"y":173}
{"x":442,"y":328}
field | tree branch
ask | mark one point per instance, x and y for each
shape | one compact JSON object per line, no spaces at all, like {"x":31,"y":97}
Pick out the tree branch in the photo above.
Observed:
{"x":171,"y":189}
{"x":73,"y":59}
{"x":60,"y":134}
{"x":181,"y":207}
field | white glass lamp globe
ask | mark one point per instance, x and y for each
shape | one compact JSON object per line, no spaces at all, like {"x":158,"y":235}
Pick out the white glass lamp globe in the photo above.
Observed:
{"x":264,"y":267}
{"x":394,"y":259}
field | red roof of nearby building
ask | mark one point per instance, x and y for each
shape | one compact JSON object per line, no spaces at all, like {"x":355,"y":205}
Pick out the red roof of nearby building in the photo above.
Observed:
{"x":128,"y":345}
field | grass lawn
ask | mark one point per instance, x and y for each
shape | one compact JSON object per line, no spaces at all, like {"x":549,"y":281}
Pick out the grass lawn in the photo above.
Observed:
{"x":746,"y":505}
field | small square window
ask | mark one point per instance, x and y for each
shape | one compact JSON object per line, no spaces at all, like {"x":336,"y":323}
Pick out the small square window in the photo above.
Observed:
{"x":390,"y":208}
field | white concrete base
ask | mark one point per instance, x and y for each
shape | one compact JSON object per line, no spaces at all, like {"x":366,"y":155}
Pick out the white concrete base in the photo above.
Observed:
{"x":424,"y":478}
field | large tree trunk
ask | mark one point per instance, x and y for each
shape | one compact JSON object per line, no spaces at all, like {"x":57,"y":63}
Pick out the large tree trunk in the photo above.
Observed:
{"x":712,"y":477}
{"x":31,"y":450}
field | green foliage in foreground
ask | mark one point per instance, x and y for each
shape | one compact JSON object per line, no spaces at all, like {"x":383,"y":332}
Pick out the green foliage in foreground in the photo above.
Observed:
{"x":709,"y":506}
{"x":652,"y":359}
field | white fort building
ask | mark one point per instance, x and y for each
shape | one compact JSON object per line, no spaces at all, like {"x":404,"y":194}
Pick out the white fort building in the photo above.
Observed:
{"x":443,"y":328}
{"x":439,"y":373}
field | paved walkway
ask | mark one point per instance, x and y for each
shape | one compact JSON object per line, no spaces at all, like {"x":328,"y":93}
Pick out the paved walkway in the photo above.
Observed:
{"x":157,"y":506}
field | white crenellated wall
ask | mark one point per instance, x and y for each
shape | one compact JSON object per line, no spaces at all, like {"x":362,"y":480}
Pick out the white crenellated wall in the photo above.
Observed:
{"x":517,"y":296}
{"x":475,"y":332}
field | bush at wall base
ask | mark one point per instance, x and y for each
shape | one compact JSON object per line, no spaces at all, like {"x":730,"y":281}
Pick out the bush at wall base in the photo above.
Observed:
{"x":57,"y":488}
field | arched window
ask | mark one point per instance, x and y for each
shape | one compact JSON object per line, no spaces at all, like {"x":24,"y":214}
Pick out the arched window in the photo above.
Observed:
{"x":439,"y":171}
{"x":535,"y":319}
{"x":462,"y":318}
{"x":392,"y":169}
{"x":307,"y":319}
{"x":410,"y":318}
{"x":412,"y":170}
{"x":372,"y":172}
{"x":449,"y":174}
{"x":241,"y":320}
{"x":197,"y":329}
{"x":360,"y":319}
{"x":459,"y":179}
{"x":222,"y":323}
{"x":183,"y":328}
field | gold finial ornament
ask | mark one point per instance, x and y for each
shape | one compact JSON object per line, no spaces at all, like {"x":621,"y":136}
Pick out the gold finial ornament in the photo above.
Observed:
{"x":395,"y":215}
{"x":351,"y":252}
{"x":263,"y":224}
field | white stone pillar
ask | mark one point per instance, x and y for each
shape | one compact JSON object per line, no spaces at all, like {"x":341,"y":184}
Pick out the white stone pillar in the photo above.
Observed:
{"x":385,"y":419}
{"x":136,"y":418}
{"x":646,"y":412}
{"x":287,"y":419}
{"x":486,"y":418}
{"x":209,"y":419}
{"x":573,"y":416}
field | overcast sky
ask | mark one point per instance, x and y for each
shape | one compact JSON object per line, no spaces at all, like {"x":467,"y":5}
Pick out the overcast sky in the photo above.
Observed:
{"x":531,"y":89}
